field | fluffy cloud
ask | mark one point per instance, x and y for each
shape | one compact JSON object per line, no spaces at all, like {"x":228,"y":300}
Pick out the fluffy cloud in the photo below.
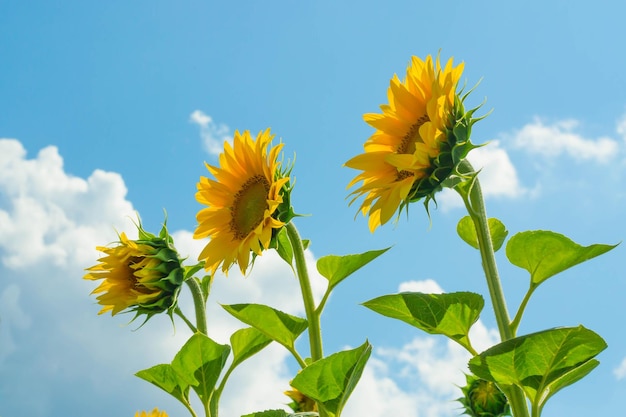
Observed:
{"x":53,"y":343}
{"x":621,"y":127}
{"x":498,"y":177}
{"x":213,"y":135}
{"x":560,"y":138}
{"x":620,"y":371}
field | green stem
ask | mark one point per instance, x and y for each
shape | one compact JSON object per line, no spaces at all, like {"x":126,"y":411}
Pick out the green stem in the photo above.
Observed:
{"x":315,"y":333}
{"x":312,"y":315}
{"x":475,"y":204}
{"x":199,"y":304}
{"x":520,"y":311}
{"x":180,"y":314}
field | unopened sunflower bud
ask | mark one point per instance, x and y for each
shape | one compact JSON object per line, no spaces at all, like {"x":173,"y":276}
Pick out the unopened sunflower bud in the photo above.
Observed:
{"x":143,"y":276}
{"x":483,"y":398}
{"x":300,"y":403}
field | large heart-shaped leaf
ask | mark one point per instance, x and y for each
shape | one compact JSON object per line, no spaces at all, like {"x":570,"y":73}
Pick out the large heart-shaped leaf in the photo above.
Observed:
{"x":281,"y":327}
{"x":467,"y":231}
{"x":245,"y":343}
{"x":451,"y":314}
{"x":200,"y":361}
{"x":337,"y":268}
{"x":540,"y":363}
{"x":544,"y":253}
{"x":331,"y":380}
{"x":166,"y":378}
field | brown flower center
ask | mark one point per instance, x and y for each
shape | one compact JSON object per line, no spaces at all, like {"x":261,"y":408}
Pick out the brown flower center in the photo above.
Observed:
{"x":249,"y":206}
{"x":407,"y":145}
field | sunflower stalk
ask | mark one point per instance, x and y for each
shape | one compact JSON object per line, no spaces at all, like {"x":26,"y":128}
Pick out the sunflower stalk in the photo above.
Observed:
{"x":312,"y":315}
{"x":472,"y":196}
{"x":199,"y":304}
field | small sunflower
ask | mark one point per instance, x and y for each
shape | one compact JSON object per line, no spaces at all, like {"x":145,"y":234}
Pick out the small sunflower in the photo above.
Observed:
{"x":143,"y":276}
{"x":420,"y":137}
{"x":245,"y":202}
{"x":153,"y":413}
{"x":300,"y":402}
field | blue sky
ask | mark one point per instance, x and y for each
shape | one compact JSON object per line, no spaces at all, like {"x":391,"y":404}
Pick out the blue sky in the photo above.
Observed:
{"x":107,"y":108}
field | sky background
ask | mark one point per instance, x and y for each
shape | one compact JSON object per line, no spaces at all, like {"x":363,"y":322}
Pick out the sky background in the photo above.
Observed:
{"x":108,"y":109}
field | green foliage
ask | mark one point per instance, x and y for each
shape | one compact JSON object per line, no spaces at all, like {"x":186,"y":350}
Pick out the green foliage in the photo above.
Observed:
{"x":278,"y":326}
{"x":467,"y":231}
{"x":269,"y":413}
{"x":198,"y":364}
{"x":337,"y":268}
{"x":202,"y":360}
{"x":451,"y":314}
{"x":540,"y":363}
{"x":283,"y":246}
{"x":246,"y":342}
{"x":331,"y":380}
{"x":544,"y":253}
{"x":165,"y":377}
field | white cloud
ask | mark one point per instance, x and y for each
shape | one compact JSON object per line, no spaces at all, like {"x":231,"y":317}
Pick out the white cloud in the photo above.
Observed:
{"x":621,"y":127}
{"x":427,"y":286}
{"x":53,"y":342}
{"x":561,"y":138}
{"x":620,"y":370}
{"x":213,"y":135}
{"x":498,"y":176}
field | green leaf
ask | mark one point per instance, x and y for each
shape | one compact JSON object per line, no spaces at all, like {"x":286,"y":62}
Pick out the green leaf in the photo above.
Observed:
{"x":337,"y":268}
{"x":544,"y":254}
{"x":269,"y":413}
{"x":331,"y":380}
{"x":281,"y":327}
{"x":246,"y":342}
{"x":449,"y":314}
{"x":284,"y":248}
{"x":540,"y":363}
{"x":200,"y":362}
{"x":165,"y":377}
{"x":467,"y":231}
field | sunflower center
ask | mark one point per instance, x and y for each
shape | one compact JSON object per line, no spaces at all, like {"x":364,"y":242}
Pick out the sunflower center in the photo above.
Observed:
{"x":403,"y":175}
{"x":249,"y":206}
{"x":407,"y":145}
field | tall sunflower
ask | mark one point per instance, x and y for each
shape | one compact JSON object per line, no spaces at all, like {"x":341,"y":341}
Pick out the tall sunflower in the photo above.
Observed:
{"x":420,"y":137}
{"x":142,"y":276}
{"x":244,"y":202}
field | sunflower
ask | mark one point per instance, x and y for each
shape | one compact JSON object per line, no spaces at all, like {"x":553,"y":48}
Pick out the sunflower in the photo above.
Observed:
{"x":417,"y":142}
{"x":244,"y":202}
{"x":300,"y":402}
{"x":143,"y":276}
{"x":153,"y":413}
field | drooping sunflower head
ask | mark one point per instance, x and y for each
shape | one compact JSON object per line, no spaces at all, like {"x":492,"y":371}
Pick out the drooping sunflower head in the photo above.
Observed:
{"x":247,"y":202}
{"x":153,"y":413}
{"x":421,"y":136}
{"x":143,"y":276}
